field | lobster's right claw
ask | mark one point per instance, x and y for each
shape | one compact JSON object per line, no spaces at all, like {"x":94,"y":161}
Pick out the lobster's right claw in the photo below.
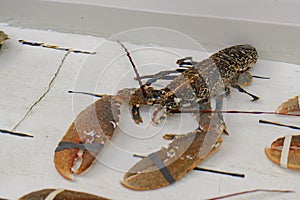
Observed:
{"x":72,"y":156}
{"x":86,"y":137}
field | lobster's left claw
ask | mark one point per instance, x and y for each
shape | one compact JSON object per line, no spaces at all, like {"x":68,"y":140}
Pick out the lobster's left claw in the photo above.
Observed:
{"x":274,"y":153}
{"x":86,"y":136}
{"x":168,"y":165}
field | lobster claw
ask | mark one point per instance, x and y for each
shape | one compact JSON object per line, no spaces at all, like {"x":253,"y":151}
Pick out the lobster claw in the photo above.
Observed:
{"x":289,"y":106}
{"x":275,"y":152}
{"x":169,"y":164}
{"x":60,"y":194}
{"x":86,"y":136}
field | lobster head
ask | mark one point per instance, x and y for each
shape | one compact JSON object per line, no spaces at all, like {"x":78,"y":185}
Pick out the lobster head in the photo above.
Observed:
{"x":245,"y":56}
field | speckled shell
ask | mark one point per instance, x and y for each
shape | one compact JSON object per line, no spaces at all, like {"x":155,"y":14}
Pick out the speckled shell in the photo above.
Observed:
{"x":65,"y":194}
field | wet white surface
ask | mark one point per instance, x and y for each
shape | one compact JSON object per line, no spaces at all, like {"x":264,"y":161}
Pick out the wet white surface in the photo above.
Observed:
{"x":27,"y":164}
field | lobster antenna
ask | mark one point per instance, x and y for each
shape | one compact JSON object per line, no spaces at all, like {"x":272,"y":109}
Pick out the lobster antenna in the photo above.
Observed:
{"x":85,"y":93}
{"x":234,"y":112}
{"x":251,"y":191}
{"x":135,"y":70}
{"x":15,"y":133}
{"x":229,"y":112}
{"x":278,"y":124}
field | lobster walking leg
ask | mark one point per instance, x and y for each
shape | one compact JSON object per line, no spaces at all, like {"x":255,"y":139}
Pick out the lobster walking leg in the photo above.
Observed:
{"x":163,"y":75}
{"x":240,"y":89}
{"x":186,"y":62}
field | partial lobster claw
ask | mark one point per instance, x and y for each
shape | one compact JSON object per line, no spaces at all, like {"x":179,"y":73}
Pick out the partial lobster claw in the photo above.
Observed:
{"x":86,"y":137}
{"x":168,"y":165}
{"x":60,"y":194}
{"x":289,"y":106}
{"x":277,"y":155}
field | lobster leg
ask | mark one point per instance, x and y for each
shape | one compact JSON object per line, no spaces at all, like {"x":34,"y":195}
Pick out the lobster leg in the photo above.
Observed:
{"x":203,"y":119}
{"x":186,"y":62}
{"x":163,"y":75}
{"x":136,"y":114}
{"x":219,"y":106}
{"x":240,"y":89}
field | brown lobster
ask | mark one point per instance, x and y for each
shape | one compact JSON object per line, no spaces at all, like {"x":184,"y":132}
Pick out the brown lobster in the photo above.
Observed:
{"x":193,"y":88}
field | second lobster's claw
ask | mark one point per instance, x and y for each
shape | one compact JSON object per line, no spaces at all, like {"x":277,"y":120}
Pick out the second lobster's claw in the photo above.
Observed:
{"x":86,"y":137}
{"x":60,"y":194}
{"x":290,"y":106}
{"x":274,"y":153}
{"x":168,"y":165}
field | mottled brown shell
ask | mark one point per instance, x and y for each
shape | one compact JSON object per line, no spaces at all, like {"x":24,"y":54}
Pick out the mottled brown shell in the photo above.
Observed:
{"x":64,"y":195}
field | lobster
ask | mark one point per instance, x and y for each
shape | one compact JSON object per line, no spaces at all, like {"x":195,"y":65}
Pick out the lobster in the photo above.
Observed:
{"x":193,"y":88}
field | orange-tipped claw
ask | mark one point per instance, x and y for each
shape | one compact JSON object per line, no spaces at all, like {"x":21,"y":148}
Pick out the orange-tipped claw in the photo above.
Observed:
{"x":86,"y":136}
{"x":275,"y":151}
